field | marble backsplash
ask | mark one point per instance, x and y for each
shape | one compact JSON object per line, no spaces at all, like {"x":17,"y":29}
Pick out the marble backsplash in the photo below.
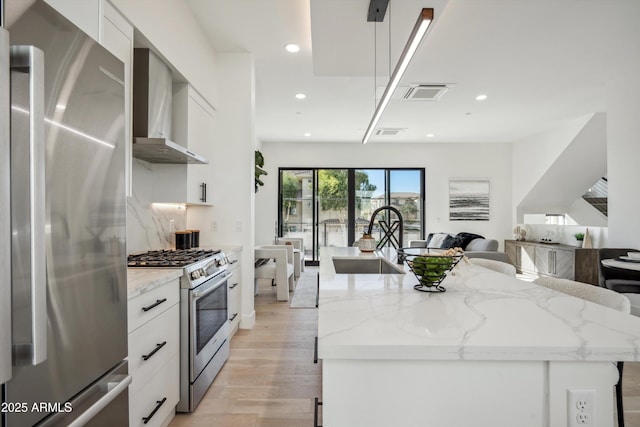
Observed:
{"x":565,"y":233}
{"x":149,"y":224}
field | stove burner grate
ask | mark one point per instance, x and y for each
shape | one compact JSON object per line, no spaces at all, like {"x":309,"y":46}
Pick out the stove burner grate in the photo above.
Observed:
{"x":169,"y":258}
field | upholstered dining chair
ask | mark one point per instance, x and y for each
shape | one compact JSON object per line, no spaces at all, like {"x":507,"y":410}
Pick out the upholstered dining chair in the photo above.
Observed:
{"x":275,"y":262}
{"x":600,"y":296}
{"x":298,"y":253}
{"x":499,"y":266}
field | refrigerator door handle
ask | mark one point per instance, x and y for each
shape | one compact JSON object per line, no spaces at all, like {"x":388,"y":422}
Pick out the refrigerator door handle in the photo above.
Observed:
{"x":114,"y":391}
{"x":29,"y":59}
{"x":5,"y":220}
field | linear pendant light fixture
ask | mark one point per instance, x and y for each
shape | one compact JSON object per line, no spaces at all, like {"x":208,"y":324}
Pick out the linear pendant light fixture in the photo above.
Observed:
{"x":418,"y":32}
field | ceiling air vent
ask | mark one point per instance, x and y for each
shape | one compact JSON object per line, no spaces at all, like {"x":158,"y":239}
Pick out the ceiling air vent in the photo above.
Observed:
{"x":389,"y":131}
{"x":420,"y":92}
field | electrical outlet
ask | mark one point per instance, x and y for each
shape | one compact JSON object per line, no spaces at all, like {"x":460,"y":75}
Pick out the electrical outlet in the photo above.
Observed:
{"x":239,"y":226}
{"x":172,"y":226}
{"x":214,"y":225}
{"x":581,"y":408}
{"x":582,"y":418}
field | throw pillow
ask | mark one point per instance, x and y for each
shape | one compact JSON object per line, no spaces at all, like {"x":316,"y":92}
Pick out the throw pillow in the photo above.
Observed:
{"x":436,"y":240}
{"x":467,"y":237}
{"x":452,"y":242}
{"x":426,"y":244}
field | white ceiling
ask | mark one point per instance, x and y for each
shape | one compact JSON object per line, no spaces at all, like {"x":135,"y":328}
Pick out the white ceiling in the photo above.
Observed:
{"x":539,"y":61}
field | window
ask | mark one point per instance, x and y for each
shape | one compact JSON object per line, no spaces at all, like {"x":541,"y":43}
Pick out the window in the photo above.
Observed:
{"x":332,"y":206}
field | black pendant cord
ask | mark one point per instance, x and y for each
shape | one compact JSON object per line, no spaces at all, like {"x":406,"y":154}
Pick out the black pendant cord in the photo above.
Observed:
{"x":389,"y":60}
{"x":375,"y":65}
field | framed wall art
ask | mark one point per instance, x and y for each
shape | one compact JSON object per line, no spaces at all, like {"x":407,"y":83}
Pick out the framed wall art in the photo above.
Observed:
{"x":468,"y":200}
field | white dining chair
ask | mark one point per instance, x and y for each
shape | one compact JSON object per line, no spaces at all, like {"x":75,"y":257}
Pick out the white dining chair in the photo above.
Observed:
{"x":298,"y":253}
{"x":499,"y":266}
{"x":598,"y":295}
{"x":275,"y":262}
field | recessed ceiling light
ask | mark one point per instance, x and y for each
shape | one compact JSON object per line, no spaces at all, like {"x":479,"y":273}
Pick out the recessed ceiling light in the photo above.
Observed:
{"x":307,"y":134}
{"x":301,"y":95}
{"x":430,"y":135}
{"x":481,"y":97}
{"x":60,"y":106}
{"x":293,"y":48}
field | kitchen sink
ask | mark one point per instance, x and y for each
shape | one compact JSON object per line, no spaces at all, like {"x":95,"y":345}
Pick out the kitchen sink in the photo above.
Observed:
{"x":365,"y":266}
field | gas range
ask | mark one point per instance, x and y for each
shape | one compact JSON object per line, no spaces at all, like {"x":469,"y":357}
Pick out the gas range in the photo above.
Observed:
{"x":199,"y":265}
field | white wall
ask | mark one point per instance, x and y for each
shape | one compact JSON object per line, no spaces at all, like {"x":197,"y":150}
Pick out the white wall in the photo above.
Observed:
{"x":441,"y":161}
{"x":583,"y":213}
{"x":533,"y":156}
{"x":623,"y":126}
{"x":232,"y":192}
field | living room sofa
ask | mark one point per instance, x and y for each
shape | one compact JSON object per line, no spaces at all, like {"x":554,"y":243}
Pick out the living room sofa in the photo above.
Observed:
{"x":474,"y":245}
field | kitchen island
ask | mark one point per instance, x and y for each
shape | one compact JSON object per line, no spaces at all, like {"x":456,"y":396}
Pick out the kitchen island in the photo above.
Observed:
{"x":490,"y":351}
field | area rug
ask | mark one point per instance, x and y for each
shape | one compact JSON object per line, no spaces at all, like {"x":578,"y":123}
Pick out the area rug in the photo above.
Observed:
{"x":304,"y":296}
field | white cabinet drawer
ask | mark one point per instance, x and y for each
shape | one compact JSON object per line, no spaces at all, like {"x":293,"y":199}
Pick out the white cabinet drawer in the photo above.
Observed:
{"x":157,"y":342}
{"x":163,"y":385}
{"x":150,"y":304}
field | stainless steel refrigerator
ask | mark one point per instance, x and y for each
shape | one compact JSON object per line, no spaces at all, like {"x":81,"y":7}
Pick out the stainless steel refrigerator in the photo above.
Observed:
{"x":63,"y":299}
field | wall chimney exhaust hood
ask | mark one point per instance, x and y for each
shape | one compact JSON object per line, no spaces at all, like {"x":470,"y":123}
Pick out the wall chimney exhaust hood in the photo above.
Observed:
{"x":152,"y":104}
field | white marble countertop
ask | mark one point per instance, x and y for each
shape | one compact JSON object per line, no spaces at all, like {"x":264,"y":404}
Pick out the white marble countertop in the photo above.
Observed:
{"x":141,"y":280}
{"x":483,"y":315}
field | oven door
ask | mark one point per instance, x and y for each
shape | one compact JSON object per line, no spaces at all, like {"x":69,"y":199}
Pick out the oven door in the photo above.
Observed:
{"x":209,"y":325}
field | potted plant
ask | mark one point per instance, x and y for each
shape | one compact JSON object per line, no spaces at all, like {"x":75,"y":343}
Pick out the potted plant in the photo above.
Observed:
{"x":579,"y":237}
{"x":259,"y":159}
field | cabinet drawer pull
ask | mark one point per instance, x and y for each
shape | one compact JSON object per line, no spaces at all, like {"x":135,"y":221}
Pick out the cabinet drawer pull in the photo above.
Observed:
{"x":233,"y":286}
{"x":315,"y":413}
{"x":154,"y":351}
{"x":154,"y":305}
{"x":159,"y":403}
{"x":233,"y":317}
{"x":315,"y":351}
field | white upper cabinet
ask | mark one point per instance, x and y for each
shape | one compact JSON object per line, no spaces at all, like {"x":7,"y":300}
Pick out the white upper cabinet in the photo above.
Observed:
{"x":117,"y":36}
{"x":85,"y":14}
{"x":193,"y":124}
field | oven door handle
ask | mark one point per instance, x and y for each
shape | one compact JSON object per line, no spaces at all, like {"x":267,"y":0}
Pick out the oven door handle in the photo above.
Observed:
{"x":200,"y":294}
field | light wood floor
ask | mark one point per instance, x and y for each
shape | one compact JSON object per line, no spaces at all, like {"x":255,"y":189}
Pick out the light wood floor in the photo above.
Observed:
{"x":270,"y":379}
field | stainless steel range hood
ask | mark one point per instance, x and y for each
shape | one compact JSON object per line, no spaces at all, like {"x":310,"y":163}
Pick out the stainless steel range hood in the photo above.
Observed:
{"x":152,"y":104}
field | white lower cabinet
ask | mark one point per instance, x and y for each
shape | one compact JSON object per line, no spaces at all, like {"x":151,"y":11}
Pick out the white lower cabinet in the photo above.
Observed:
{"x":156,"y":401}
{"x":154,"y":356}
{"x":233,"y":295}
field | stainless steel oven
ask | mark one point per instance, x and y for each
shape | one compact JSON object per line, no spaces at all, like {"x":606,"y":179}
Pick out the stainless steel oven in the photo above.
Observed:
{"x":204,"y":328}
{"x":207,"y":322}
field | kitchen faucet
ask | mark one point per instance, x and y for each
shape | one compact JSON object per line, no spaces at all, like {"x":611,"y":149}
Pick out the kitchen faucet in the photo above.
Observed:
{"x":388,"y":228}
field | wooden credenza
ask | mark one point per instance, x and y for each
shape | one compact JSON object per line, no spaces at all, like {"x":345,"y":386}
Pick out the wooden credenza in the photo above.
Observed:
{"x":554,"y":260}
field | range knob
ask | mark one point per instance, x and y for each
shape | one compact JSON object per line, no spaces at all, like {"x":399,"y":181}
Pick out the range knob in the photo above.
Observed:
{"x":195,"y":274}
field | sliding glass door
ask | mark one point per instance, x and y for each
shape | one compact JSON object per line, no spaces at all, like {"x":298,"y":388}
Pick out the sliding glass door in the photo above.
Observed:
{"x":333,"y":207}
{"x":297,"y":206}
